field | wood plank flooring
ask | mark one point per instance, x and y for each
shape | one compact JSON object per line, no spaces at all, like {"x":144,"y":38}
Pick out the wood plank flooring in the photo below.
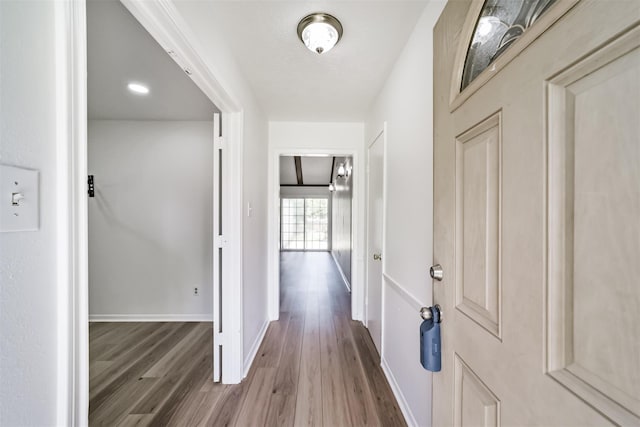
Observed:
{"x":315,"y":366}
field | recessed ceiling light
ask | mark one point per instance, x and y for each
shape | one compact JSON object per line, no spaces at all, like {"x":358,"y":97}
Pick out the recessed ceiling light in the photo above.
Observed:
{"x":138,"y":88}
{"x":319,"y":32}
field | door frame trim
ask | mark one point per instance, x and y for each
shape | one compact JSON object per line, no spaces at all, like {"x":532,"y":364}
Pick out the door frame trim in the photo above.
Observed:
{"x":357,"y":213}
{"x":72,"y":382}
{"x":365,"y":315}
{"x":163,"y":22}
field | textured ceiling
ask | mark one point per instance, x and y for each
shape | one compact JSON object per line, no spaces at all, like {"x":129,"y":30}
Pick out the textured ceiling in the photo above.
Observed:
{"x":293,"y":83}
{"x":119,"y":51}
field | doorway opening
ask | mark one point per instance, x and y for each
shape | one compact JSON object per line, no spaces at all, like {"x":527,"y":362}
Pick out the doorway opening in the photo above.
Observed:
{"x":174,"y":39}
{"x":315,"y":223}
{"x":154,"y":162}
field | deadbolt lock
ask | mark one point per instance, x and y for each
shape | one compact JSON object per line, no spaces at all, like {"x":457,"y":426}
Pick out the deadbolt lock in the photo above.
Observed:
{"x":436,"y":272}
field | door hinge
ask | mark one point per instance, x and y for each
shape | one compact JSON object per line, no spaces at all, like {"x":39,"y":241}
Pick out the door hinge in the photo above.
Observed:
{"x":91,"y":186}
{"x":219,"y":143}
{"x":218,"y":339}
{"x":221,"y":242}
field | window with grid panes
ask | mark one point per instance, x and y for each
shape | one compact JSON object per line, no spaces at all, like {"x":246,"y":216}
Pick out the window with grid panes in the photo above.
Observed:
{"x":305,"y":224}
{"x":292,"y":226}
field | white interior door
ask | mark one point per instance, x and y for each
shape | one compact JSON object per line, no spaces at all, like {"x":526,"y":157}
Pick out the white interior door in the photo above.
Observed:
{"x":218,"y":248}
{"x":375,"y":215}
{"x":537,"y":217}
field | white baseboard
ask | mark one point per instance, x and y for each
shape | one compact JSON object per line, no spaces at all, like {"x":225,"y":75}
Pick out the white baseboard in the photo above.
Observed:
{"x":150,"y":318}
{"x":344,"y":278}
{"x":395,"y":388}
{"x":248,"y":361}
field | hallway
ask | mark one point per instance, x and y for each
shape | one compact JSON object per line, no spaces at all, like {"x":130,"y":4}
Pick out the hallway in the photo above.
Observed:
{"x":315,"y":365}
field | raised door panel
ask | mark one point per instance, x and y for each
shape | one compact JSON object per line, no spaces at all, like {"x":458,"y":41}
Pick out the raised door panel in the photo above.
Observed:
{"x":474,"y":403}
{"x":478,"y":154}
{"x":594,"y":240}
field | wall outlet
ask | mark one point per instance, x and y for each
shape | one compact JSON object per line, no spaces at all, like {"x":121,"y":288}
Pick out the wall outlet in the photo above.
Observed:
{"x":196,"y":292}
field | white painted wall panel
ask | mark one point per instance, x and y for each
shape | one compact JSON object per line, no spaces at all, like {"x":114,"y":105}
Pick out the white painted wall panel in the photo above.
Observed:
{"x":150,"y":222}
{"x":305,"y":192}
{"x":405,"y":103}
{"x":254,"y":227}
{"x":402,"y":354}
{"x":321,"y":137}
{"x":341,"y":215}
{"x":28,"y":287}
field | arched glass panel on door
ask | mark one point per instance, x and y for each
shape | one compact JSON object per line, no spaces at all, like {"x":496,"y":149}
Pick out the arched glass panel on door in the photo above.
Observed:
{"x":501,"y":23}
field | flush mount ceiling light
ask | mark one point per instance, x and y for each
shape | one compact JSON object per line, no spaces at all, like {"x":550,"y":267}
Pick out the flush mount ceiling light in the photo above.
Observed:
{"x":138,"y":88}
{"x":319,"y":32}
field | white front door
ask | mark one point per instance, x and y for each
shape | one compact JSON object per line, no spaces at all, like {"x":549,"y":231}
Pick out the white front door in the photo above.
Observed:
{"x":537,"y":213}
{"x":375,"y":214}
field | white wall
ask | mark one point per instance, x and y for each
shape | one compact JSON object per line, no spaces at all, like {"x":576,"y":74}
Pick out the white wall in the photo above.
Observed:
{"x":150,"y":222}
{"x":28,"y":285}
{"x":289,"y":138}
{"x":306,"y":191}
{"x":405,"y":103}
{"x":341,"y":216}
{"x":254,"y":230}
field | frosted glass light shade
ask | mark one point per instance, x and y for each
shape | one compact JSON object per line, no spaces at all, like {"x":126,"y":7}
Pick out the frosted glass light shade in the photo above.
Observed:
{"x":319,"y":37}
{"x":319,"y":32}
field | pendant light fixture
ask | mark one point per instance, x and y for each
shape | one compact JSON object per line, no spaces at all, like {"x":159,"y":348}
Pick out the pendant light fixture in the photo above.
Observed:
{"x":319,"y":32}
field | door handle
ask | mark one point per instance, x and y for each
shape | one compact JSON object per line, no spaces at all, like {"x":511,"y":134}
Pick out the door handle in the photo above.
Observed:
{"x":377,"y":257}
{"x":427,"y":313}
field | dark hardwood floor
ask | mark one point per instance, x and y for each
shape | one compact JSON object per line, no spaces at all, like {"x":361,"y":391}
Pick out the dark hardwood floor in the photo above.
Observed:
{"x":315,"y":366}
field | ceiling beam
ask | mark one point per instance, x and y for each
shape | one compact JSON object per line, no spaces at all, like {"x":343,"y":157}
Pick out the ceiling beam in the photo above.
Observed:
{"x":305,"y":185}
{"x":333,"y":165}
{"x":298,"y":162}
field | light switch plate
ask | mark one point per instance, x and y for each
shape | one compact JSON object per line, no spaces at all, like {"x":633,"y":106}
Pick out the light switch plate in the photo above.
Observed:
{"x":23,"y":215}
